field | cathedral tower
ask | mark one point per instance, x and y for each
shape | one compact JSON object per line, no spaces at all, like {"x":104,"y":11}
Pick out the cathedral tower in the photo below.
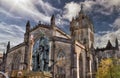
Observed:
{"x":82,"y":29}
{"x":53,"y":20}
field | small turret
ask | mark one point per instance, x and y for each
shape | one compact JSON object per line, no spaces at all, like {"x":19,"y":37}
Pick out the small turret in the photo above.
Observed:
{"x":53,"y":20}
{"x":8,"y":47}
{"x":26,"y":36}
{"x":116,"y":44}
{"x":28,"y":26}
{"x":72,"y":24}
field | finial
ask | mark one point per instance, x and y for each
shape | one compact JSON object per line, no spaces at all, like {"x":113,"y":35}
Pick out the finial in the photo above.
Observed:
{"x":8,"y":47}
{"x":53,"y":20}
{"x":53,"y":17}
{"x":28,"y":23}
{"x":28,"y":26}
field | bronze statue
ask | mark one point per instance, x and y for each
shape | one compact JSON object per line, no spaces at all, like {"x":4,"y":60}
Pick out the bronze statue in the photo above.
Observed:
{"x":41,"y":55}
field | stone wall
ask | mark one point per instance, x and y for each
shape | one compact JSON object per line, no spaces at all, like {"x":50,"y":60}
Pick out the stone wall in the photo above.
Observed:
{"x":15,"y":58}
{"x":64,"y":63}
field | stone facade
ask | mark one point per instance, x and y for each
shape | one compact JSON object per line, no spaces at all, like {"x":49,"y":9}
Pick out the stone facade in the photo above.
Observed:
{"x":70,"y":56}
{"x":82,"y":30}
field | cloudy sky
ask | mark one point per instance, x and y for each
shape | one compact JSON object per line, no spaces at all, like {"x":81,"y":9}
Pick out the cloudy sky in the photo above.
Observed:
{"x":14,"y":14}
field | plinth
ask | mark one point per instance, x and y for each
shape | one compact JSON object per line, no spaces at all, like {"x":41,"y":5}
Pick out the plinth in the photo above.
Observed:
{"x":31,"y":74}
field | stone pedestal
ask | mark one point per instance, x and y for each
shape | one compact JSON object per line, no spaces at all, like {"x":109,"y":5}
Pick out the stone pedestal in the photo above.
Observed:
{"x":25,"y":74}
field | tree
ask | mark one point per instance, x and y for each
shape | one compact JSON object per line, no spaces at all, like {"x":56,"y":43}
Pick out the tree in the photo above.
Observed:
{"x":115,"y":70}
{"x":108,"y":68}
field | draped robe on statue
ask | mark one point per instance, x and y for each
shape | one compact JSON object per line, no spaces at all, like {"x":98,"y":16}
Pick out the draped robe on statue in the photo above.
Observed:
{"x":41,"y":55}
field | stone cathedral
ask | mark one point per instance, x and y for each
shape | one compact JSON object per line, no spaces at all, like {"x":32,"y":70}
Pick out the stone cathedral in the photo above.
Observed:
{"x":46,"y":48}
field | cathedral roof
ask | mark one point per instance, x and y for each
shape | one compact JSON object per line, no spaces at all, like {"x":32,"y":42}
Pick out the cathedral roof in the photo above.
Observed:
{"x":109,"y":45}
{"x":17,"y":46}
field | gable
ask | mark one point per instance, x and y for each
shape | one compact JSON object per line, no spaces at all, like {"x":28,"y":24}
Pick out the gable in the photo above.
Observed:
{"x":41,"y":30}
{"x":62,"y":34}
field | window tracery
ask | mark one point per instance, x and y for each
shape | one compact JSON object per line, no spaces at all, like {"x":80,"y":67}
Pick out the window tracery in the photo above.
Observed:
{"x":61,"y":64}
{"x":61,"y":55}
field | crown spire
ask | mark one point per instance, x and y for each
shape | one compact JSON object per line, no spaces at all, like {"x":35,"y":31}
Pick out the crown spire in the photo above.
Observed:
{"x":81,"y":11}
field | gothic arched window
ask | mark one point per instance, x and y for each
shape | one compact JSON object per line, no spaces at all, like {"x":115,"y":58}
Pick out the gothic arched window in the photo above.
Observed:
{"x":61,"y":55}
{"x":61,"y":64}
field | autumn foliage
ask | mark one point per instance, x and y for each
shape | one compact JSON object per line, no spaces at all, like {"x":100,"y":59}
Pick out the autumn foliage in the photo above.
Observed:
{"x":108,"y":68}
